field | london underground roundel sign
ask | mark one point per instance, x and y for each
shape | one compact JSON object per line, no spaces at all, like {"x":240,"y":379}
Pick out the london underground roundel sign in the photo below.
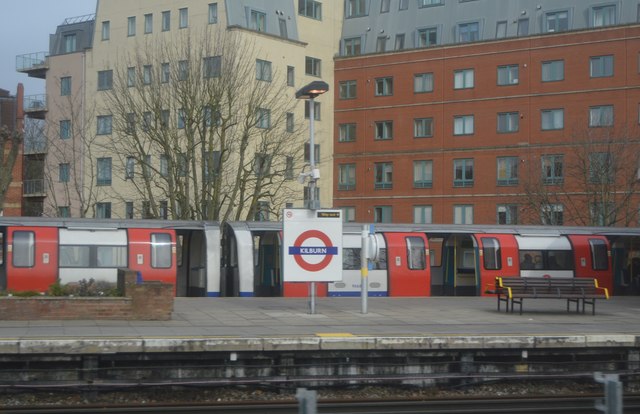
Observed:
{"x":312,"y":245}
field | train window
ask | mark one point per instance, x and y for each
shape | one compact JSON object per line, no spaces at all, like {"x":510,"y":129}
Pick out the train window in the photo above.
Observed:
{"x":75,"y":256}
{"x":416,"y":254}
{"x":546,"y":259}
{"x":161,"y":250}
{"x":111,"y":256}
{"x":599,"y":254}
{"x":435,"y":251}
{"x":179,"y":249}
{"x":351,"y":258}
{"x":24,"y":249}
{"x":491,"y":253}
{"x":381,"y":264}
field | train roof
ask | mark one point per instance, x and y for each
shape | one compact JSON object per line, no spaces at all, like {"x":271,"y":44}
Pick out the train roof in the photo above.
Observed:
{"x":90,"y":223}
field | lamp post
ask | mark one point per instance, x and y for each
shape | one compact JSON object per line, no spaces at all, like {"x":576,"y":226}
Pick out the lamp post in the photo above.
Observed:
{"x":310,"y":92}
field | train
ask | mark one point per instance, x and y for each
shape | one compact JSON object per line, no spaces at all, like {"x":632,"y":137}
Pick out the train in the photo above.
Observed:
{"x":244,"y":259}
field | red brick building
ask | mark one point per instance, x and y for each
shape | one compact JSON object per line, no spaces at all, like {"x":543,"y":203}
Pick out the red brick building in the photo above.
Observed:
{"x":12,"y":117}
{"x":505,"y":131}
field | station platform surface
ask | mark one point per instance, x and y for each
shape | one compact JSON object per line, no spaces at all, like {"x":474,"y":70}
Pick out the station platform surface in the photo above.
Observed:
{"x":258,"y":324}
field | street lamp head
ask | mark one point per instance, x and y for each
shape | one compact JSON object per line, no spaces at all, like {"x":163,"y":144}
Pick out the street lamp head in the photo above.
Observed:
{"x":312,"y":90}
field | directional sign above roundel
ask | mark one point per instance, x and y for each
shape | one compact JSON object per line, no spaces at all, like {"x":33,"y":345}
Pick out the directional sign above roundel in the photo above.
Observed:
{"x":312,"y":245}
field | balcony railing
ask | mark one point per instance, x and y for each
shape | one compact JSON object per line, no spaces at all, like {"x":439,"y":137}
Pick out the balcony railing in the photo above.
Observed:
{"x":32,"y":147}
{"x":35,"y":105}
{"x":35,"y":64}
{"x":33,"y":187}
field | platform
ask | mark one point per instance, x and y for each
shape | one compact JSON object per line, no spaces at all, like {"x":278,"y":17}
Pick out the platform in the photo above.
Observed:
{"x":258,"y":324}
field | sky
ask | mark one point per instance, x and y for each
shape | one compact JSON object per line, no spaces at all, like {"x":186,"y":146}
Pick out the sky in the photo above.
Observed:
{"x":25,"y":28}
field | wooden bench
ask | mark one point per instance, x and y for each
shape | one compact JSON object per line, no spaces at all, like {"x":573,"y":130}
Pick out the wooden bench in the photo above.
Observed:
{"x":581,"y":291}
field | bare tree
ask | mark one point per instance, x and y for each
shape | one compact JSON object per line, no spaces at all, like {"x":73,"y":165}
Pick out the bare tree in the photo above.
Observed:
{"x":218,"y":121}
{"x":595,"y":181}
{"x":10,"y":142}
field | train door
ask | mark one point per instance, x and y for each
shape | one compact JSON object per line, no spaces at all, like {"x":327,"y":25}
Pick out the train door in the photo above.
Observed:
{"x":625,"y":251}
{"x":152,"y":252}
{"x":268,"y":272}
{"x":3,"y":271}
{"x":459,"y":261}
{"x":408,"y":264}
{"x":592,"y":257}
{"x":31,"y":259}
{"x":498,"y":256}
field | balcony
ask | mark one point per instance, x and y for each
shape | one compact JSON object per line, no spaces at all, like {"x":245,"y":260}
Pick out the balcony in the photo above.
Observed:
{"x":35,"y":65}
{"x":35,"y":105}
{"x":33,"y":188}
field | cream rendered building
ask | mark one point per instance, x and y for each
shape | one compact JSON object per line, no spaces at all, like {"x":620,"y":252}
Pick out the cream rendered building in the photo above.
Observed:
{"x":297,"y":39}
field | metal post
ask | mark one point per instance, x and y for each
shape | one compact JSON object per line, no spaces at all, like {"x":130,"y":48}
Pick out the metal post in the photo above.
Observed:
{"x":612,"y":403}
{"x":307,"y":401}
{"x":364,"y":269}
{"x":312,"y":186}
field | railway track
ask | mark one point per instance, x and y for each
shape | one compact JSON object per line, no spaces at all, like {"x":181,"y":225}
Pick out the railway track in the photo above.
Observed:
{"x":570,"y":404}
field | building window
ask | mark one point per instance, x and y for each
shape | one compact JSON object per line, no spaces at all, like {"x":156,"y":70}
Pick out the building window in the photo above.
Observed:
{"x":166,"y":21}
{"x":463,"y":125}
{"x":423,"y":214}
{"x":103,"y":210}
{"x":468,"y":32}
{"x":552,"y":214}
{"x":423,"y":174}
{"x":356,"y":8}
{"x":316,"y":153}
{"x":384,"y":86}
{"x":262,"y":164}
{"x":601,"y":66}
{"x":382,"y":214}
{"x":557,"y":21}
{"x":182,"y":119}
{"x":106,"y":30}
{"x":501,"y":29}
{"x":148,"y":23}
{"x":523,"y":26}
{"x":552,"y":119}
{"x":183,"y":18}
{"x":427,"y":37}
{"x":601,"y":168}
{"x":384,"y":130}
{"x":131,"y":26}
{"x":347,"y":133}
{"x":552,"y":169}
{"x":183,"y":70}
{"x":507,"y":173}
{"x":348,"y":214}
{"x":258,"y":21}
{"x":291,"y":76}
{"x":65,"y":129}
{"x":212,"y":67}
{"x":507,"y":213}
{"x":423,"y":82}
{"x":352,"y":46}
{"x":463,"y":79}
{"x":104,"y":124}
{"x":427,"y":3}
{"x":63,"y":172}
{"x":263,"y":118}
{"x":282,"y":24}
{"x":384,"y":6}
{"x":213,"y":13}
{"x":347,"y":177}
{"x":381,"y":44}
{"x":262,"y":211}
{"x":383,"y":175}
{"x":104,"y":171}
{"x":288,"y":168}
{"x":164,"y":165}
{"x":508,"y":122}
{"x":399,"y":44}
{"x":312,"y":66}
{"x":290,"y":123}
{"x":404,"y":5}
{"x":310,"y":8}
{"x":105,"y":80}
{"x":64,"y":211}
{"x":463,"y":214}
{"x":130,"y":168}
{"x":128,"y":210}
{"x":601,"y":116}
{"x":347,"y":89}
{"x":165,"y":72}
{"x":508,"y":75}
{"x":69,"y":43}
{"x":316,"y":110}
{"x":147,"y":74}
{"x":263,"y":70}
{"x":65,"y":86}
{"x":131,"y":77}
{"x":553,"y":71}
{"x":422,"y":127}
{"x":463,"y":172}
{"x":603,"y":15}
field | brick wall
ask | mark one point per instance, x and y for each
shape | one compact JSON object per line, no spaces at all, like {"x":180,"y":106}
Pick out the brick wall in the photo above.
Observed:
{"x":142,"y":301}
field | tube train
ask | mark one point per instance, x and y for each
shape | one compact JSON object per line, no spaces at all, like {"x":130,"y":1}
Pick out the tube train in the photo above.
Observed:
{"x":244,"y":258}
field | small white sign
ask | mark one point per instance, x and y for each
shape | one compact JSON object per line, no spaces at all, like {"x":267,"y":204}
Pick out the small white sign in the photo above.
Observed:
{"x":312,"y":245}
